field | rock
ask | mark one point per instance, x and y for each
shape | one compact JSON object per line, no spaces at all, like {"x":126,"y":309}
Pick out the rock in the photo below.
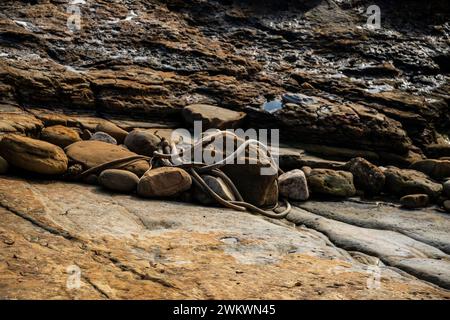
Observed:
{"x":103,"y":136}
{"x":306,"y":170}
{"x":4,"y":166}
{"x":33,"y":155}
{"x":446,"y":188}
{"x":142,"y":142}
{"x":218,"y":186}
{"x":293,"y":185}
{"x":366,"y":176}
{"x":403,"y":182}
{"x":413,"y":201}
{"x":212,"y":117}
{"x":118,"y":180}
{"x":60,"y":135}
{"x":91,"y":179}
{"x":92,"y":153}
{"x":437,"y":169}
{"x":446,"y":205}
{"x":113,"y":130}
{"x":164,"y":182}
{"x":86,"y":135}
{"x":330,"y":182}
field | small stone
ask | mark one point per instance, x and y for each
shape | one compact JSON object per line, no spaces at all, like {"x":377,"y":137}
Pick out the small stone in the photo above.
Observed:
{"x":331,"y":182}
{"x":118,"y":180}
{"x":293,"y":185}
{"x":413,"y":201}
{"x":446,"y":188}
{"x":213,"y":117}
{"x":113,"y":130}
{"x":4,"y":166}
{"x":446,"y":205}
{"x":103,"y":136}
{"x":60,"y":135}
{"x":142,"y":142}
{"x":367,"y":176}
{"x":164,"y":182}
{"x":33,"y":155}
{"x":218,"y":186}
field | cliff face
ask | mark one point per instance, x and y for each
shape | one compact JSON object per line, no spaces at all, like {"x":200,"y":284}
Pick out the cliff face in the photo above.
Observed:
{"x":386,"y":88}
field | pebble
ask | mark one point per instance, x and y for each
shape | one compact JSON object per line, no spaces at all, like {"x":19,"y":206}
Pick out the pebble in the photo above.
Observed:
{"x":118,"y":180}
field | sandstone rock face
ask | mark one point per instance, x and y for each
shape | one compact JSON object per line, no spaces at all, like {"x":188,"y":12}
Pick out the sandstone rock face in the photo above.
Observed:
{"x":4,"y":166}
{"x":293,"y":185}
{"x":367,"y":176}
{"x":102,"y":136}
{"x":218,"y":186}
{"x":437,"y":169}
{"x":212,"y":117}
{"x":113,"y":130}
{"x":60,"y":135}
{"x":33,"y":155}
{"x":413,"y":201}
{"x":164,"y":182}
{"x":142,"y":142}
{"x":330,"y":182}
{"x":403,"y":182}
{"x":93,"y":153}
{"x":118,"y":180}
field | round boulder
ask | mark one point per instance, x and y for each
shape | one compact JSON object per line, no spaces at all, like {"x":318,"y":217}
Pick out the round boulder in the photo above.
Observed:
{"x":118,"y":180}
{"x":330,"y":182}
{"x":142,"y":142}
{"x":103,"y":136}
{"x":113,"y":130}
{"x":164,"y":182}
{"x":413,"y":201}
{"x":60,"y":135}
{"x":293,"y":185}
{"x":92,"y":153}
{"x":33,"y":155}
{"x":446,"y":188}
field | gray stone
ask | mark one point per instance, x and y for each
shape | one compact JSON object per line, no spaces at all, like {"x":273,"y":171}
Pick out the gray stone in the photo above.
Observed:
{"x":142,"y":142}
{"x":104,"y":137}
{"x":413,"y":201}
{"x":113,"y":130}
{"x":293,"y":185}
{"x":218,"y":186}
{"x":118,"y":180}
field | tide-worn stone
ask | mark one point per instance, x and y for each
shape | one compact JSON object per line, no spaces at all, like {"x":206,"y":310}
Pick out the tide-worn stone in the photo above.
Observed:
{"x":4,"y":166}
{"x":118,"y":180}
{"x":60,"y":135}
{"x":413,"y":201}
{"x":33,"y":155}
{"x":437,"y":169}
{"x":330,"y":182}
{"x":218,"y":186}
{"x":446,"y":188}
{"x":92,"y":153}
{"x":103,"y":136}
{"x":367,"y":176}
{"x":164,"y":182}
{"x":212,"y":117}
{"x":142,"y":142}
{"x":403,"y":182}
{"x":293,"y":185}
{"x":113,"y":130}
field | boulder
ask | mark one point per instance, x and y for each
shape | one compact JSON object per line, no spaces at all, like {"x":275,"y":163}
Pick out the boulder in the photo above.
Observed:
{"x":103,"y":136}
{"x":118,"y":180}
{"x":113,"y":130}
{"x":164,"y":182}
{"x":330,"y":182}
{"x":413,"y":201}
{"x":293,"y":185}
{"x":60,"y":135}
{"x":446,"y":205}
{"x":33,"y":155}
{"x":218,"y":186}
{"x":446,"y":188}
{"x":142,"y":142}
{"x":366,"y":176}
{"x":92,"y":153}
{"x":4,"y":166}
{"x":403,"y":182}
{"x":213,"y":117}
{"x":437,"y":169}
